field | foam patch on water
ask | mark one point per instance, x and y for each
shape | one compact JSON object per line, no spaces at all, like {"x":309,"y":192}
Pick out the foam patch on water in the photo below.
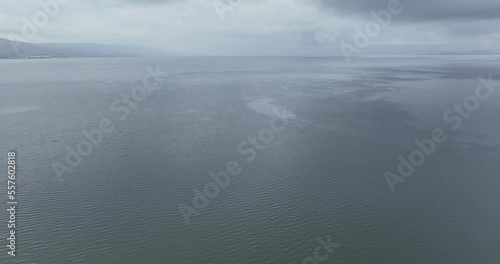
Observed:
{"x":16,"y":110}
{"x":265,"y":106}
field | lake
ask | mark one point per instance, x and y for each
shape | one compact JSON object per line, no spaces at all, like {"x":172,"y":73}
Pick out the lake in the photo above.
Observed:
{"x":252,"y":160}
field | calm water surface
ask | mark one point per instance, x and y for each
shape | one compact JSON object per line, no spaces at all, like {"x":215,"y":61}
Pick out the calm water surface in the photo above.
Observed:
{"x":322,"y":175}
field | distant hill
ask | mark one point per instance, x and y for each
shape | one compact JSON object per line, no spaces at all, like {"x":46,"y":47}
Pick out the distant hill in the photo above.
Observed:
{"x":438,"y":49}
{"x":19,"y":50}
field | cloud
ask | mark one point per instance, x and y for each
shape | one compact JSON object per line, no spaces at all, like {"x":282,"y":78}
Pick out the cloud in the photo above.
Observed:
{"x":148,"y":2}
{"x":420,"y":10}
{"x":256,"y":27}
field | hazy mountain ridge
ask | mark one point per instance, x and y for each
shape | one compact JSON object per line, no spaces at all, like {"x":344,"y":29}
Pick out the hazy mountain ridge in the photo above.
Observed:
{"x":21,"y":50}
{"x":428,"y":49}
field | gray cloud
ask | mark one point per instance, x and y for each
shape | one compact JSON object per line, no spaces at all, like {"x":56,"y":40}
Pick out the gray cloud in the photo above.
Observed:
{"x":421,"y":10}
{"x":148,"y":2}
{"x":257,"y":27}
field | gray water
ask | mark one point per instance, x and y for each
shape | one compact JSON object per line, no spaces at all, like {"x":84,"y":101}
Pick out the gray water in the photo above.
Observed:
{"x":321,"y":175}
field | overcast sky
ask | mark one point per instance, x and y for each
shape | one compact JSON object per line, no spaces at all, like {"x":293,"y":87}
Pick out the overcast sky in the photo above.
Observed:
{"x":255,"y":27}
